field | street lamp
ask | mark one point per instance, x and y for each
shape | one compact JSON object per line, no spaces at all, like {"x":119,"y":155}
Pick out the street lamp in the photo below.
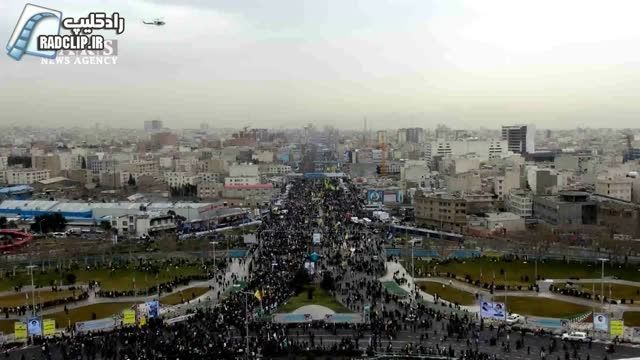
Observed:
{"x":246,"y":319}
{"x":602,"y":281}
{"x":213,"y":245}
{"x":33,"y":289}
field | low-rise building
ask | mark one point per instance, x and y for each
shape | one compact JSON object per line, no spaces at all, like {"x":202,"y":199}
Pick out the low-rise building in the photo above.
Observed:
{"x":210,"y":190}
{"x":256,"y":195}
{"x":176,"y":179}
{"x":25,"y":176}
{"x":441,"y":211}
{"x":615,"y":186}
{"x":566,"y":208}
{"x":520,"y":202}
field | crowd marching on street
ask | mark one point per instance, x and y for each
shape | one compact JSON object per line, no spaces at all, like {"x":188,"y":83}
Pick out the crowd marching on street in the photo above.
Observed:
{"x":352,"y":254}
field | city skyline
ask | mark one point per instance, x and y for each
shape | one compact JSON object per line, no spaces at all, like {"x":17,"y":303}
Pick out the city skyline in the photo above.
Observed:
{"x":416,"y":64}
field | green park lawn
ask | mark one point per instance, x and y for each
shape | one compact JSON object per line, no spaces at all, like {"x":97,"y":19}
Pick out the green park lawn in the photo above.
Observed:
{"x":75,"y":315}
{"x":517,"y":270}
{"x":320,"y":297}
{"x":544,"y":307}
{"x":618,"y":291}
{"x":180,"y":297}
{"x":85,"y":313}
{"x":631,"y":318}
{"x":448,"y":293}
{"x":19,"y":299}
{"x":118,"y":280}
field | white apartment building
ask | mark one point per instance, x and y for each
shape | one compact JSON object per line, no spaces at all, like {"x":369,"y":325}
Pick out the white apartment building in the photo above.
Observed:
{"x":25,"y":176}
{"x":4,"y":162}
{"x":242,"y":180}
{"x":274,"y":169}
{"x":244,"y":170}
{"x":209,"y":190}
{"x":177,"y":179}
{"x":210,"y":177}
{"x":143,"y":167}
{"x":615,"y":186}
{"x":484,"y":149}
{"x":520,"y":203}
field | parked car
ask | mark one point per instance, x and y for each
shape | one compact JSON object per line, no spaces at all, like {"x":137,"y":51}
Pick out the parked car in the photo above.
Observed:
{"x":513,"y":319}
{"x":575,"y":336}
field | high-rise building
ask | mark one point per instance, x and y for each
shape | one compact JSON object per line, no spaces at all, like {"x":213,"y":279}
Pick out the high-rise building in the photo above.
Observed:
{"x":520,"y":138}
{"x":153,"y":125}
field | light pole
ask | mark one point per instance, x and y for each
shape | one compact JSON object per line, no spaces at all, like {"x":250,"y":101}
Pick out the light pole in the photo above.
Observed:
{"x":33,"y":289}
{"x":602,"y":281}
{"x":246,"y":320}
{"x":213,"y":245}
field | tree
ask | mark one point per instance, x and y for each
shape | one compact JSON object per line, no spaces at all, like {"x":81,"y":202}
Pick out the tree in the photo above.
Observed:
{"x":105,"y":225}
{"x":83,"y":165}
{"x":300,"y":280}
{"x":327,"y":283}
{"x":3,"y":222}
{"x":49,"y":222}
{"x":70,"y":278}
{"x":132,"y":181}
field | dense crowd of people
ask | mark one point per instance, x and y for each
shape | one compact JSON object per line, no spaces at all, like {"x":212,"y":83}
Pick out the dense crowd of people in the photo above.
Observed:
{"x":351,"y":255}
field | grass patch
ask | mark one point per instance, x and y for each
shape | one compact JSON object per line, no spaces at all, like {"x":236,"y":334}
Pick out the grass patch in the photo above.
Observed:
{"x":517,"y":270}
{"x":448,"y":293}
{"x":75,"y":315}
{"x":393,"y":288}
{"x":180,"y":297}
{"x":85,"y":313}
{"x":618,"y":291}
{"x":320,"y":297}
{"x":631,"y":318}
{"x":537,"y":306}
{"x":118,"y":280}
{"x":19,"y":299}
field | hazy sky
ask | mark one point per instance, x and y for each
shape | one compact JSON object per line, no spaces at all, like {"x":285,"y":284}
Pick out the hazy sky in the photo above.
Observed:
{"x":274,"y":63}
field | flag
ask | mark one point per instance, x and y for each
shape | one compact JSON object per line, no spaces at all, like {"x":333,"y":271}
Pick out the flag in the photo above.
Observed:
{"x":259,"y":295}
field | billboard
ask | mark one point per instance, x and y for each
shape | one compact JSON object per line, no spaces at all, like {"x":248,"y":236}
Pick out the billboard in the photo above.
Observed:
{"x":48,"y":327}
{"x":493,"y":310}
{"x":617,"y":328}
{"x":150,"y":309}
{"x":375,"y":197}
{"x":95,"y":325}
{"x":20,"y":330}
{"x":128,"y":317}
{"x":34,"y":326}
{"x":310,"y":267}
{"x":316,"y":238}
{"x":600,"y":322}
{"x":390,"y":198}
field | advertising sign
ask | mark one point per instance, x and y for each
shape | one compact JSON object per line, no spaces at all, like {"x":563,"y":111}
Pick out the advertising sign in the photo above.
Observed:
{"x":34,"y":326}
{"x":316,"y":238}
{"x":20,"y":330}
{"x":48,"y":327}
{"x":493,"y":310}
{"x":128,"y":317}
{"x":617,"y":328}
{"x":600,"y":322}
{"x":150,"y":309}
{"x":95,"y":325}
{"x":375,"y":197}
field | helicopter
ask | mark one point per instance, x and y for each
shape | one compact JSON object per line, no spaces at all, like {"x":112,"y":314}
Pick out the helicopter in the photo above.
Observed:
{"x":158,"y":22}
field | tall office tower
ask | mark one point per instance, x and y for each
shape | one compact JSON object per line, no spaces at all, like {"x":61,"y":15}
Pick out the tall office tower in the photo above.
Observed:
{"x":520,"y":138}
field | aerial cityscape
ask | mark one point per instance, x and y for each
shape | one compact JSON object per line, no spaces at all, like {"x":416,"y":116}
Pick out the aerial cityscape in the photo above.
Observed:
{"x":319,"y":180}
